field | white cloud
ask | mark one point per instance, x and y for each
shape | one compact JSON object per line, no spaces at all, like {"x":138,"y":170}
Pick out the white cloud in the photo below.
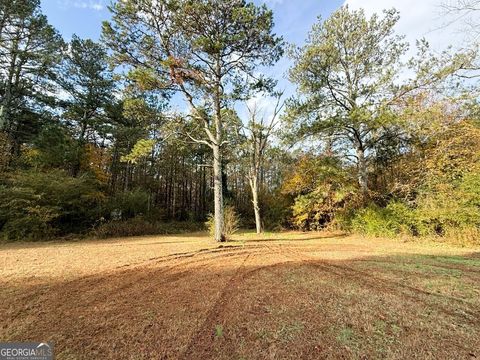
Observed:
{"x":272,"y":3}
{"x":419,"y":19}
{"x":97,"y":5}
{"x":263,"y":105}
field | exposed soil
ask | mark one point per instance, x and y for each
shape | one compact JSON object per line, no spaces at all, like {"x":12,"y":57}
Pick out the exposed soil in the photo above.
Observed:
{"x":282,"y":296}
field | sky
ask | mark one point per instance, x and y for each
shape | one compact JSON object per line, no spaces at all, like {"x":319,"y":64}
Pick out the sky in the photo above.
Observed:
{"x":84,"y":17}
{"x":293,"y":20}
{"x":421,"y":19}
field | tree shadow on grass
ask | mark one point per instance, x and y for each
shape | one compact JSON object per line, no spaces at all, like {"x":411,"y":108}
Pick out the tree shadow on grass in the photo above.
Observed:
{"x":294,"y":240}
{"x":269,"y":303}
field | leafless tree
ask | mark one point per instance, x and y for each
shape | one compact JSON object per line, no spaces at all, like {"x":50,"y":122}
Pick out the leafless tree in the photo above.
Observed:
{"x":257,"y":133}
{"x":466,"y":11}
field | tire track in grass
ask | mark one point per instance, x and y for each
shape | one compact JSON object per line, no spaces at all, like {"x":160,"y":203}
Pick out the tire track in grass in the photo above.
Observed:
{"x":186,"y":255}
{"x":469,"y":313}
{"x":202,"y":336}
{"x":87,"y":286}
{"x":97,"y":289}
{"x":200,"y":344}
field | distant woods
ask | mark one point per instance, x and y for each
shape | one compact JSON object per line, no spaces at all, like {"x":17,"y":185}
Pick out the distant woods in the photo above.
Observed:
{"x":168,"y":119}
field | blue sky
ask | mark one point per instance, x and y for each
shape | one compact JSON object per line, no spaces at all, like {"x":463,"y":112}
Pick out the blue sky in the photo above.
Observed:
{"x":81,"y":17}
{"x":84,"y":17}
{"x":293,"y":19}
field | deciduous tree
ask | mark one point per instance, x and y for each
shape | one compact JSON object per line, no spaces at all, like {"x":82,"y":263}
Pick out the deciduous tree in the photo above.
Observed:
{"x":257,"y":136}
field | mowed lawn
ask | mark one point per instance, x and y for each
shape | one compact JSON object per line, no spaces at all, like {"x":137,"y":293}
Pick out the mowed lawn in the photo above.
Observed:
{"x":275,"y":296}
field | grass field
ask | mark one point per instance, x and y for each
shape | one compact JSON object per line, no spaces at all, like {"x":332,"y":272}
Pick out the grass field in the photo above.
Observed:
{"x":275,"y":296}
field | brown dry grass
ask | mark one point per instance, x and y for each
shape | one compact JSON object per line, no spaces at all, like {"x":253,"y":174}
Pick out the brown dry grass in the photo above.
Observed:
{"x":277,"y":296}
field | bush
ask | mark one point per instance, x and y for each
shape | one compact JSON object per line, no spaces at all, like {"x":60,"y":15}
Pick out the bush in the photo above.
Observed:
{"x":443,"y":207}
{"x":322,"y":189}
{"x":448,"y":201}
{"x":130,"y":203}
{"x":317,"y":209}
{"x":276,"y":210}
{"x":231,"y":222}
{"x":33,"y":227}
{"x":138,"y":226}
{"x":38,"y":205}
{"x":395,"y":219}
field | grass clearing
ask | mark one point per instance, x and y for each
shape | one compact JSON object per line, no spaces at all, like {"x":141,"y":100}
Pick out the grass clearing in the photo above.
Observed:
{"x":279,"y":295}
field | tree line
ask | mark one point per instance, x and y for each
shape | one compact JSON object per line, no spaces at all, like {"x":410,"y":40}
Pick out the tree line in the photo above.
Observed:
{"x":155,"y":126}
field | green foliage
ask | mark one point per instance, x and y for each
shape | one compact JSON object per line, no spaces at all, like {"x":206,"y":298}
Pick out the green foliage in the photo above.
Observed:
{"x":430,"y":188}
{"x":398,"y":156}
{"x":373,"y":220}
{"x":218,"y":331}
{"x":322,"y":189}
{"x":231,"y":222}
{"x":53,"y":148}
{"x":317,"y":209}
{"x":130,"y":203}
{"x":31,"y":48}
{"x":276,"y":210}
{"x":349,"y":51}
{"x":85,"y":76}
{"x":445,"y":207}
{"x":207,"y":50}
{"x":144,"y":111}
{"x":345,"y":74}
{"x":180,"y":45}
{"x":448,"y":200}
{"x":36,"y":205}
{"x":448,"y":211}
{"x":141,"y":149}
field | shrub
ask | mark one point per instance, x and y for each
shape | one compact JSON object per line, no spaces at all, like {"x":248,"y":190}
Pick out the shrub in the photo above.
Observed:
{"x":317,"y":209}
{"x":395,"y":219}
{"x":322,"y":189}
{"x":37,"y":205}
{"x":275,"y":210}
{"x":130,"y":203}
{"x":231,"y":222}
{"x":448,"y":201}
{"x":35,"y":226}
{"x":447,"y":208}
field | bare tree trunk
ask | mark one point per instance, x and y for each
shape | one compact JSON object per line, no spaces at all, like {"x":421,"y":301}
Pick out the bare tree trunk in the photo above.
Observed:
{"x":362,"y":171}
{"x":127,"y":175}
{"x":217,"y":155}
{"x":256,"y":207}
{"x":258,"y":141}
{"x":218,"y":193}
{"x":215,"y":142}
